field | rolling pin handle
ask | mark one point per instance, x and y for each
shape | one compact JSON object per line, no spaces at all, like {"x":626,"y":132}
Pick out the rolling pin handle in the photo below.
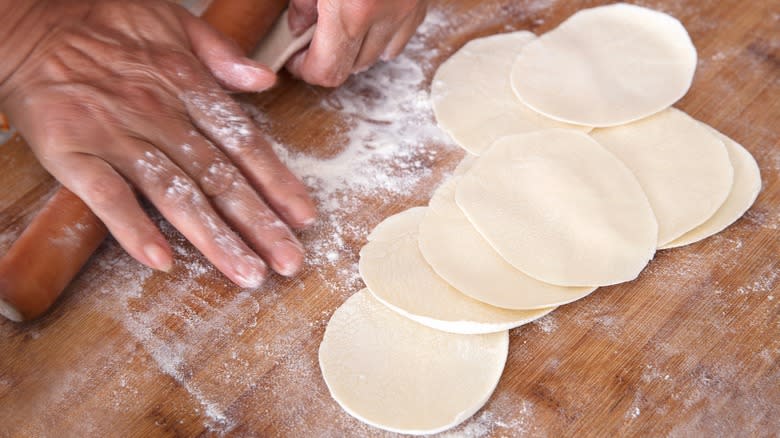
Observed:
{"x":47,"y":256}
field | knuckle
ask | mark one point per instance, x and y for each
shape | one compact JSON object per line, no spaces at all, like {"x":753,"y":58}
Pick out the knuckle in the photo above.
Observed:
{"x":179,"y":64}
{"x":103,"y":193}
{"x":218,"y":178}
{"x":143,"y":98}
{"x":329,"y":78}
{"x":407,"y":7}
{"x":183,"y":194}
{"x":272,"y":228}
{"x":357,"y":18}
{"x":152,"y":166}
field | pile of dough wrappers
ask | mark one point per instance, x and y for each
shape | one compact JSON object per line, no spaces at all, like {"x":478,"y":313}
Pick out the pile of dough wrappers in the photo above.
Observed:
{"x":578,"y":171}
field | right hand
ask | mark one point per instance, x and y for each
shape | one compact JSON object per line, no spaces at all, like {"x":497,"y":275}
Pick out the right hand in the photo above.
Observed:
{"x":125,"y":96}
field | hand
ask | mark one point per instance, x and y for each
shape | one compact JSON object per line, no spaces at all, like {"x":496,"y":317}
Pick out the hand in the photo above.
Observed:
{"x":351,"y":35}
{"x":122,"y":97}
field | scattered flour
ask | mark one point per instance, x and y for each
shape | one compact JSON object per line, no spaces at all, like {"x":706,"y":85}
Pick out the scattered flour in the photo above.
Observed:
{"x":503,"y":416}
{"x":547,"y":324}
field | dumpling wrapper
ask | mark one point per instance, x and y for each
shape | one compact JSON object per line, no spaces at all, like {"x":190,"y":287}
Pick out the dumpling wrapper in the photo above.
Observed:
{"x":398,"y":375}
{"x":462,"y":257}
{"x":472,"y":95}
{"x":397,"y":275}
{"x":747,"y":185}
{"x":606,"y":66}
{"x":560,"y":208}
{"x":682,"y":166}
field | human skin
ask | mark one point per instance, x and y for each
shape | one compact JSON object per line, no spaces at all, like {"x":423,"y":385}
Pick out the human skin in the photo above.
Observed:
{"x":351,"y":35}
{"x":117,"y":98}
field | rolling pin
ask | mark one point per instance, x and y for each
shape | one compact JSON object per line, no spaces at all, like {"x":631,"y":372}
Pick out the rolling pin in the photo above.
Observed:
{"x":62,"y":237}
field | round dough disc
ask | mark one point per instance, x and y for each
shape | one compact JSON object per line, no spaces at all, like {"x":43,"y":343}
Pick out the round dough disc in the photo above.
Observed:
{"x":560,"y":208}
{"x":683,"y":168}
{"x":396,"y":273}
{"x":606,"y":66}
{"x":464,"y":165}
{"x":398,"y":375}
{"x":462,"y":257}
{"x":472,"y":95}
{"x":747,"y":185}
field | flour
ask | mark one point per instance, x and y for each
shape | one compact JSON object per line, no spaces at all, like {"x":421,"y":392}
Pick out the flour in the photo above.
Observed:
{"x":221,"y":119}
{"x":634,"y":413}
{"x":766,"y":283}
{"x":546,"y":325}
{"x":503,"y":416}
{"x":148,"y":317}
{"x":69,"y":236}
{"x":182,"y":193}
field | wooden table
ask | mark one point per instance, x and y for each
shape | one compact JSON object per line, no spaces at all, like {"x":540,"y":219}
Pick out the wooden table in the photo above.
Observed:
{"x":690,"y":348}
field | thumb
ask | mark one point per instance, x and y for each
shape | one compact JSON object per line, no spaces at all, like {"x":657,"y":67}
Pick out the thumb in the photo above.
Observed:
{"x":224,"y":59}
{"x":302,"y":15}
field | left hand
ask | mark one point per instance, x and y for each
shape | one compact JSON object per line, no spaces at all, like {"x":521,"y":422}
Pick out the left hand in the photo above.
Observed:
{"x":351,"y":36}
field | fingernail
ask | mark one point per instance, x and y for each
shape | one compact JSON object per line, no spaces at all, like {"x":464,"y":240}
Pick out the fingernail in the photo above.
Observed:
{"x":158,"y":257}
{"x":288,"y":257}
{"x":385,"y":56}
{"x":295,"y":21}
{"x":250,"y":276}
{"x":302,"y":211}
{"x":246,"y":76}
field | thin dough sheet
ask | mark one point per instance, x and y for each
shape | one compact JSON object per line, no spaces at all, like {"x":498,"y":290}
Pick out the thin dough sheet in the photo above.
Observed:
{"x":397,"y":375}
{"x":472,"y":94}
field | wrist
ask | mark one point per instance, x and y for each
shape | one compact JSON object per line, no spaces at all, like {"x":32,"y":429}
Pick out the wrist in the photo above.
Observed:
{"x":24,"y":24}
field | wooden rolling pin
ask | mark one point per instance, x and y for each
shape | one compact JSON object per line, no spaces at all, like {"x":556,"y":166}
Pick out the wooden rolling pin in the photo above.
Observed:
{"x":62,"y":237}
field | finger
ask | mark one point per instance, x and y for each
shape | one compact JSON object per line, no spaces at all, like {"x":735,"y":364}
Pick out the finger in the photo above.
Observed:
{"x":181,"y":202}
{"x":330,"y":58}
{"x":234,"y":198}
{"x":404,"y":34}
{"x":224,"y":59}
{"x":301,"y":15}
{"x":111,"y":199}
{"x":223,"y":122}
{"x":374,"y":45}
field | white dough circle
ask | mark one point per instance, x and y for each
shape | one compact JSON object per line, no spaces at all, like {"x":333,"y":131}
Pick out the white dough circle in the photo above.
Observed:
{"x":397,"y":275}
{"x":398,"y":375}
{"x":560,"y":208}
{"x":606,"y":66}
{"x":461,"y":256}
{"x":747,"y":185}
{"x":472,"y":95}
{"x":682,"y":166}
{"x":464,"y":165}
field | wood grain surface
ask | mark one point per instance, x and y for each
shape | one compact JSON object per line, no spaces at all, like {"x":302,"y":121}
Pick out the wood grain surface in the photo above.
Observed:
{"x":691,"y":348}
